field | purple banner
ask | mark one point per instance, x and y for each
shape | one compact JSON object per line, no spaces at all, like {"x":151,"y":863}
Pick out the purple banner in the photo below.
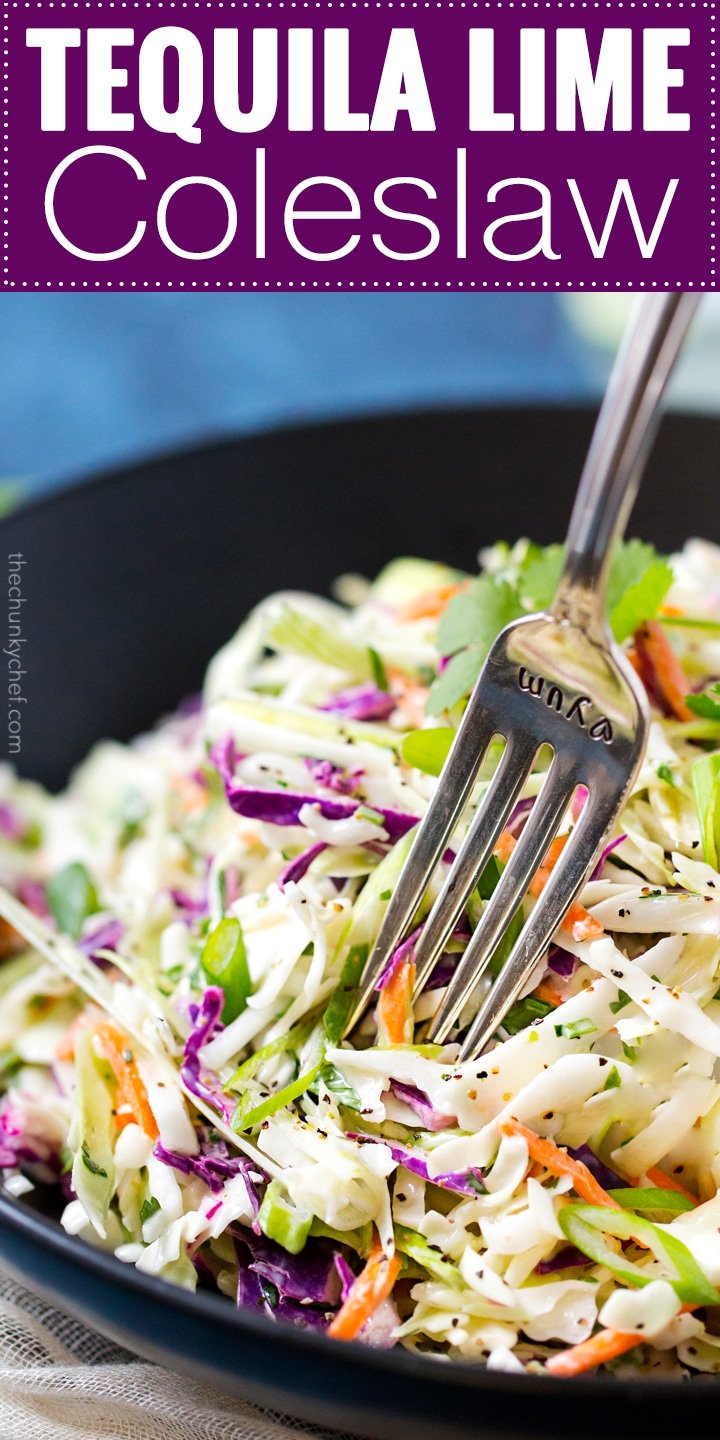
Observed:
{"x":359,"y":144}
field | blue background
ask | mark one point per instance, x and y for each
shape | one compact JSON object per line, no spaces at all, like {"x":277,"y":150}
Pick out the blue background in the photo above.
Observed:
{"x":91,"y":380}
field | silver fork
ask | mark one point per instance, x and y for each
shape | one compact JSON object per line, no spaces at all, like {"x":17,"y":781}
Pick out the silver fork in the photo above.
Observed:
{"x":554,"y":679}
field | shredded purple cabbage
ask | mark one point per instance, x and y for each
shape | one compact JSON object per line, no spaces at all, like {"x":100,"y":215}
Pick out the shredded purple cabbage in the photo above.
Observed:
{"x":519,"y":817}
{"x":565,"y":1259}
{"x":214,"y":1166}
{"x":253,"y":1295}
{"x":561,"y":962}
{"x":597,"y":872}
{"x":295,"y":869}
{"x":19,"y":1148}
{"x":332,"y":777}
{"x":311,"y":1276}
{"x":282,"y":807}
{"x":418,"y":1101}
{"x":347,"y":1276}
{"x":105,"y":936}
{"x":461,"y":1182}
{"x":606,"y":1177}
{"x":12,"y":825}
{"x":194,"y":909}
{"x":191,"y":705}
{"x":205,"y":1020}
{"x":224,"y":757}
{"x":361,"y":702}
{"x":404,"y":951}
{"x":32,"y":894}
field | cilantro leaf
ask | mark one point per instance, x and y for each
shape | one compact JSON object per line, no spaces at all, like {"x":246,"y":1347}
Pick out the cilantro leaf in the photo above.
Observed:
{"x":704,"y":705}
{"x":638,"y":582}
{"x":540,"y":577}
{"x":477,"y":615}
{"x":148,"y":1209}
{"x":472,"y":621}
{"x":641,"y":600}
{"x":456,"y":681}
{"x":630,"y":563}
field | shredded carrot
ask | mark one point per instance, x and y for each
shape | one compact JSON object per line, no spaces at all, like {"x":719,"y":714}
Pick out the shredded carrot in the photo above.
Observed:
{"x":88,"y":1018}
{"x":430,"y":603}
{"x":660,"y":670}
{"x":581,"y":924}
{"x":11,"y":942}
{"x":504,"y":847}
{"x":578,"y":921}
{"x":600,"y":1348}
{"x":409,"y":697}
{"x":372,"y":1286}
{"x":656,"y":1176}
{"x":132,"y":1100}
{"x":559,"y":1162}
{"x":394,"y":1011}
{"x":193,"y":796}
{"x":547,"y":993}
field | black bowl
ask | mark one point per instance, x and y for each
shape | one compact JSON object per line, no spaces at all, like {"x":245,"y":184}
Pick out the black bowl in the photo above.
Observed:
{"x":132,"y":581}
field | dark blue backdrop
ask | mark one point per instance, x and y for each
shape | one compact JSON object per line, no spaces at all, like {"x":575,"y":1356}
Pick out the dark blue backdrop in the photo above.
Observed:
{"x":91,"y":380}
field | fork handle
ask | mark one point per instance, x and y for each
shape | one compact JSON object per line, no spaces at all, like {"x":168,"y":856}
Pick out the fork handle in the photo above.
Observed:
{"x":621,"y":442}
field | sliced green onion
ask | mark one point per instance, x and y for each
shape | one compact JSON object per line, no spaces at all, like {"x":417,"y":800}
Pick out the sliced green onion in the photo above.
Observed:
{"x":686,"y":622}
{"x":575,"y":1029}
{"x":248,"y":1114}
{"x":360,"y":1240}
{"x":651,"y":1198}
{"x":427,"y":750}
{"x":304,"y":635}
{"x":366,"y":812}
{"x":91,"y":1136}
{"x":338,"y":1086}
{"x":224,"y":961}
{"x":340,"y":1007}
{"x":705,"y":775}
{"x":591,"y":1242}
{"x":289,"y":1044}
{"x":282,"y":1221}
{"x":417,"y":1248}
{"x":379,"y":673}
{"x":686,"y":1277}
{"x":620,"y":1003}
{"x":525,"y":1012}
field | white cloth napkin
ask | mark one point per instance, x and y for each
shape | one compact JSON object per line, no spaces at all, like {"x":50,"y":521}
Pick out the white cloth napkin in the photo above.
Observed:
{"x":61,"y":1381}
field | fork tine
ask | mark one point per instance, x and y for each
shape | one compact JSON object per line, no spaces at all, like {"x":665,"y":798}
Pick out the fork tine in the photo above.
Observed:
{"x":488,"y":822}
{"x":512,"y":887}
{"x":563,"y":886}
{"x":458,"y":777}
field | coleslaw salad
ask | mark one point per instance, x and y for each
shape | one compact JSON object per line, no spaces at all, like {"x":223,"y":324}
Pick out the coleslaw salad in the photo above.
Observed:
{"x":183,"y":929}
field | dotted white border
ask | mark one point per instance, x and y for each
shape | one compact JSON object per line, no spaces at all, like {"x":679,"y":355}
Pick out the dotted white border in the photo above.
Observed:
{"x":351,"y":284}
{"x":5,"y":148}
